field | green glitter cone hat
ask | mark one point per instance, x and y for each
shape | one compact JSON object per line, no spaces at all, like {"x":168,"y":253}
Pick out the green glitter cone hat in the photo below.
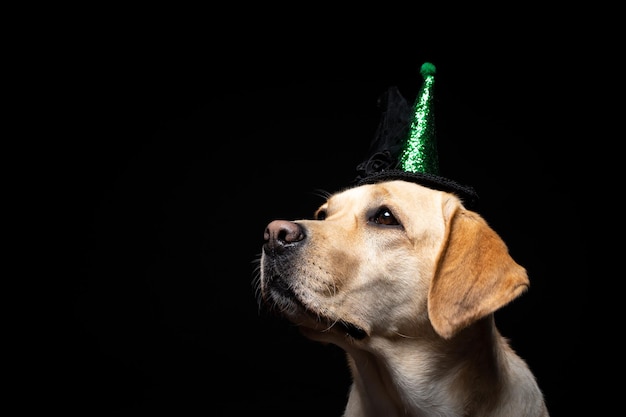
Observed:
{"x":405,"y":147}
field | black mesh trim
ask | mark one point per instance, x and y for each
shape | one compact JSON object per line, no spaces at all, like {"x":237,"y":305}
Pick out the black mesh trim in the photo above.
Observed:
{"x":465,"y":193}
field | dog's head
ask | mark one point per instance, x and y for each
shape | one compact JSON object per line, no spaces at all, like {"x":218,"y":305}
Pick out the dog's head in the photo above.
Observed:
{"x":386,"y":259}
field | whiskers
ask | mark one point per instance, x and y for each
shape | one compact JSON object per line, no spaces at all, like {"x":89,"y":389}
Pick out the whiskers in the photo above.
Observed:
{"x":323,"y":194}
{"x":325,"y":321}
{"x":404,"y":336}
{"x":256,"y":280}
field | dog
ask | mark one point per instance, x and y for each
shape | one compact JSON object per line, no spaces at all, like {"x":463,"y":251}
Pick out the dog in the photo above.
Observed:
{"x":406,"y":281}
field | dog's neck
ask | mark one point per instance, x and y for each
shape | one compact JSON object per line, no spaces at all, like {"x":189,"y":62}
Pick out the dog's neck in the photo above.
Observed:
{"x":426,"y":376}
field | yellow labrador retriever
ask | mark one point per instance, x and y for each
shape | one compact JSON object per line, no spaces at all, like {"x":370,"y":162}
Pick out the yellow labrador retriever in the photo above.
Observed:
{"x":406,"y":280}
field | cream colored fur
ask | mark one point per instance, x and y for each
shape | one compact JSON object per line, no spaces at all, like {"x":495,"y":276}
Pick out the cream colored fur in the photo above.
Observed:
{"x":406,"y":281}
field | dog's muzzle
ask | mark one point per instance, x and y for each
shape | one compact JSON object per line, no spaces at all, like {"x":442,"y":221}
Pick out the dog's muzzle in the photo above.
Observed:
{"x":282,"y":239}
{"x":283,"y":243}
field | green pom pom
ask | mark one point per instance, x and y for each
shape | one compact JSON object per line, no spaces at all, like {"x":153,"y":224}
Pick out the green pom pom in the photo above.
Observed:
{"x":427,"y":69}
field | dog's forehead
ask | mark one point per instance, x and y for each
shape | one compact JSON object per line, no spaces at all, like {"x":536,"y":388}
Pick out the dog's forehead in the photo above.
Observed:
{"x":357,"y":196}
{"x":383,"y":193}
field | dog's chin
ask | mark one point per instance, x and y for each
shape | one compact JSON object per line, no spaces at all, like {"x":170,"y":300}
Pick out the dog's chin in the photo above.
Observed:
{"x":312,"y":323}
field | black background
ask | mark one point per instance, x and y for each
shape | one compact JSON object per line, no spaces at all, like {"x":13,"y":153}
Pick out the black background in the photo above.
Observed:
{"x":185,"y":144}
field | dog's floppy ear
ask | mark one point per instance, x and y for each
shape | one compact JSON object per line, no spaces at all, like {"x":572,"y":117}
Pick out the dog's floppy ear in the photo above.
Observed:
{"x":475,"y":274}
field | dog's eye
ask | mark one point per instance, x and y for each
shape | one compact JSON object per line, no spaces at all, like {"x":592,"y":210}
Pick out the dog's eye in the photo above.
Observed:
{"x":385,"y":217}
{"x":320,"y":215}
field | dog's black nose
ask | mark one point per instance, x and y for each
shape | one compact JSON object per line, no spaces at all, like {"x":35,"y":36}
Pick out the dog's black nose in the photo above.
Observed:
{"x":280,"y":233}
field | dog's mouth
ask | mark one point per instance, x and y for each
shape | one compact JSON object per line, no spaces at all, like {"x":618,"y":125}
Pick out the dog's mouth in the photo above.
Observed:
{"x":284,"y":295}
